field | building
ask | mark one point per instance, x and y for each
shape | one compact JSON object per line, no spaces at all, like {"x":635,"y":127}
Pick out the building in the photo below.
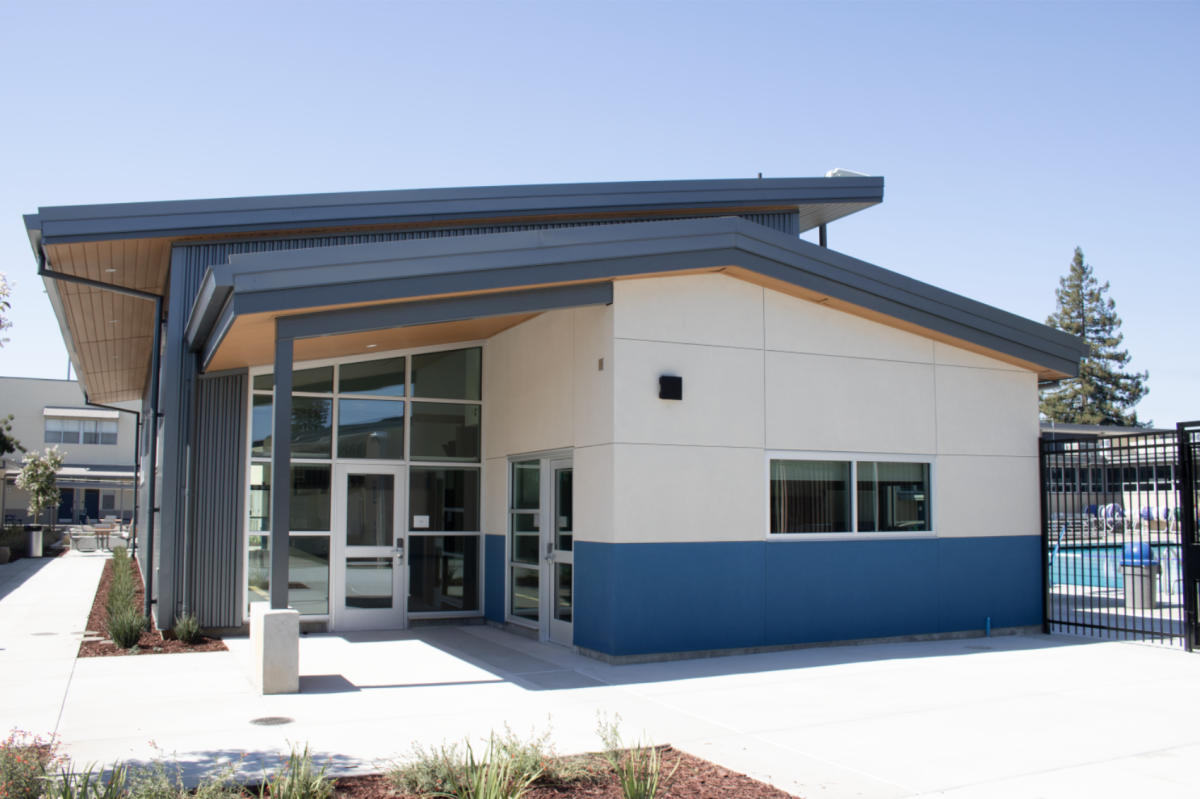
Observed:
{"x":630,"y":418}
{"x":98,"y":445}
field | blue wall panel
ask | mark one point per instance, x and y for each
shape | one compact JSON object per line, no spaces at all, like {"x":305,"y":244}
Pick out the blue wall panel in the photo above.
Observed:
{"x":493,"y":588}
{"x":999,"y":577}
{"x":651,"y":598}
{"x":843,"y":590}
{"x":594,"y":596}
{"x":680,"y":597}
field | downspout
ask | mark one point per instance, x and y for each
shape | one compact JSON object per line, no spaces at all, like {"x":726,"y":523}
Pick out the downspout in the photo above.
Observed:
{"x":189,"y":494}
{"x":137,"y":458}
{"x":154,"y":367}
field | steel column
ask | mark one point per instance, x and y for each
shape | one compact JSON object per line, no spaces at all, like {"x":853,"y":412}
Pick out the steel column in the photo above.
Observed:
{"x":1190,"y":559}
{"x":281,"y":472}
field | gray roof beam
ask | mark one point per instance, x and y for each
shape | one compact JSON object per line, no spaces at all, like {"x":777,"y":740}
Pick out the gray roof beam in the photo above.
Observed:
{"x":200,"y":217}
{"x":438,"y":311}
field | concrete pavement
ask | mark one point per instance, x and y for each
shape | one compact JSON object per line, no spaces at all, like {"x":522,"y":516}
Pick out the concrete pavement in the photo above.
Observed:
{"x":1013,"y":716}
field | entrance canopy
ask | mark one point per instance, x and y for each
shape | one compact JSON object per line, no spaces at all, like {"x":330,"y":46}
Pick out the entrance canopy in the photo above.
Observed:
{"x":334,"y":301}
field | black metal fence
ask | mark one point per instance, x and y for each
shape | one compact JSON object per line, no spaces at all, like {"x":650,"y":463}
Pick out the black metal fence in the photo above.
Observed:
{"x":1119,"y":535}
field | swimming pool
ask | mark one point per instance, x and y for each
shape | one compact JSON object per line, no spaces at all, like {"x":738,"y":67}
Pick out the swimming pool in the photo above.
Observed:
{"x":1100,"y":567}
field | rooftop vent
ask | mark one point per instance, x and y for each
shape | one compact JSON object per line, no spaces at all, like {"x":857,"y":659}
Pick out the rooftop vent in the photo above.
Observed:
{"x":844,"y":173}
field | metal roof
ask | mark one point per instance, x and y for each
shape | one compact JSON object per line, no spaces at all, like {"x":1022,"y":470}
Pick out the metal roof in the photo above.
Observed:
{"x":129,"y":245}
{"x":63,"y":224}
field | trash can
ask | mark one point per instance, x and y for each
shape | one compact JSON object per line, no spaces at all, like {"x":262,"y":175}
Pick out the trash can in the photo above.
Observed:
{"x":1140,"y":569}
{"x":33,"y":540}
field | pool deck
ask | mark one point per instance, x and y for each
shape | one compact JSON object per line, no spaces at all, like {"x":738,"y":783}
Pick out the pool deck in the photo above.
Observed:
{"x":1036,"y":716}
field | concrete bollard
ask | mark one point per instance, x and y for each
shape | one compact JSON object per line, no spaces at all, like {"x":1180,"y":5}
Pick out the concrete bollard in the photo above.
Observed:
{"x":275,"y":649}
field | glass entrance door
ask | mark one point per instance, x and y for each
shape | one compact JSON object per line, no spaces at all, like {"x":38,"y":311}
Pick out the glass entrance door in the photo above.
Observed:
{"x":541,"y":578}
{"x":370,"y":592}
{"x":561,"y":559}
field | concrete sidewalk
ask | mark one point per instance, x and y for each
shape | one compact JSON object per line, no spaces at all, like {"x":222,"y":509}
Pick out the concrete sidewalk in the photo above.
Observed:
{"x":1001,"y":717}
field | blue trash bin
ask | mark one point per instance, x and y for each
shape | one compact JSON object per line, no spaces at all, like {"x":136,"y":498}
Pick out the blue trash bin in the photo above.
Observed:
{"x":1140,"y":568}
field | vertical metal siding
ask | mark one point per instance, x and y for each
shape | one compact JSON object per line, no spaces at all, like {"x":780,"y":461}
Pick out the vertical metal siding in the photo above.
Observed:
{"x":215,"y":557}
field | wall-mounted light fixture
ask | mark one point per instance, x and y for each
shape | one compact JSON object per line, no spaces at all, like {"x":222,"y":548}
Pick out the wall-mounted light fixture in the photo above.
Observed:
{"x":670,"y":388}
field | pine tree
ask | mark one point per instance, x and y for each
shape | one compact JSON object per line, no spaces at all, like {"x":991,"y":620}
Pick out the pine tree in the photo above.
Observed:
{"x":1104,"y":393}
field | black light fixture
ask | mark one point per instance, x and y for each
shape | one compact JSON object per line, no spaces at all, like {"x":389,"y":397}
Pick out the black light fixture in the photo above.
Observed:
{"x":670,"y":388}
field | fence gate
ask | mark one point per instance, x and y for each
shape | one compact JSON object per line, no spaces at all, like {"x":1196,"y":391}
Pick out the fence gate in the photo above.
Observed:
{"x":1119,"y":531}
{"x":1189,"y":461}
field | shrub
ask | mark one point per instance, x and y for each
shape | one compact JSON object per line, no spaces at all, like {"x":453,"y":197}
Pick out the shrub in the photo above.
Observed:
{"x":187,"y":628}
{"x":162,"y":780}
{"x":495,"y":777}
{"x":426,"y":771}
{"x":638,"y":768}
{"x":24,"y":760}
{"x":431,"y":771}
{"x":298,"y":778}
{"x":537,"y":754}
{"x":88,"y":784}
{"x":124,"y":627}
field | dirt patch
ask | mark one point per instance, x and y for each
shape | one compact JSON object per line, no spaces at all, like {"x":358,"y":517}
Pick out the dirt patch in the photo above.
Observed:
{"x":151,"y":642}
{"x":695,"y":779}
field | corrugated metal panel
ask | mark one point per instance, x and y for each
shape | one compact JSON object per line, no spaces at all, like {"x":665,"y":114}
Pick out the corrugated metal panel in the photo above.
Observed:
{"x":202,"y":256}
{"x":216,"y":542}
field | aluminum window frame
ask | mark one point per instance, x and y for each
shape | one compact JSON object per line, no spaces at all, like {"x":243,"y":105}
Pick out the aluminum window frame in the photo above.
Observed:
{"x":853,"y":458}
{"x":406,"y":463}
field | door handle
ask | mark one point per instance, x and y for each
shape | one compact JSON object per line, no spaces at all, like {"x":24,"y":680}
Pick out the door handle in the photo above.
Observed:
{"x":549,"y":551}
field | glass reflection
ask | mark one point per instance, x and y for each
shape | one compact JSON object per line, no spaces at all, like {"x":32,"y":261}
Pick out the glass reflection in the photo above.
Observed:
{"x":370,"y":510}
{"x":308,"y":573}
{"x":383,"y":378}
{"x":443,"y":573}
{"x":309,"y":505}
{"x":445,"y":432}
{"x":371,"y":429}
{"x":443,"y":499}
{"x":369,"y":583}
{"x":447,"y":375}
{"x":525,"y":593}
{"x":312,"y":427}
{"x":260,"y":425}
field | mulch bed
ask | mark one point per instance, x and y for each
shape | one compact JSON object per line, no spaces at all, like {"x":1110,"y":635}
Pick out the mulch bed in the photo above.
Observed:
{"x":151,"y":642}
{"x":695,"y":779}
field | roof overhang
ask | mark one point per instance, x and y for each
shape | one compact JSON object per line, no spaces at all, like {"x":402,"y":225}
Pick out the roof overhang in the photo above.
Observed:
{"x":242,"y":303}
{"x":129,"y":244}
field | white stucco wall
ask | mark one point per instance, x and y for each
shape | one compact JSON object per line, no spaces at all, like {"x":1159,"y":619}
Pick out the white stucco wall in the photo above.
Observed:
{"x":761,"y":371}
{"x":544,"y":390}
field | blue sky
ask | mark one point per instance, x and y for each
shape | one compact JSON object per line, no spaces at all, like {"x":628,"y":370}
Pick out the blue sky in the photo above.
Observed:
{"x":1008,"y":133}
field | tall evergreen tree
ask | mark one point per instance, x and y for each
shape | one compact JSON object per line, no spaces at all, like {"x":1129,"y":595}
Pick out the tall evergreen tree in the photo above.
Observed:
{"x":1104,"y":393}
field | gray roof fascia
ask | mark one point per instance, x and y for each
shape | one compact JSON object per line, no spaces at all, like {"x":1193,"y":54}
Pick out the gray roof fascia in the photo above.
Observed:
{"x":203,"y":217}
{"x":297,"y":279}
{"x":438,"y":311}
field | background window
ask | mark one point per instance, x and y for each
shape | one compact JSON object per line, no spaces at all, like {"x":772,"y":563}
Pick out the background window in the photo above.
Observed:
{"x":108,"y":432}
{"x":893,"y":497}
{"x":90,"y":430}
{"x":810,"y":497}
{"x":54,"y":431}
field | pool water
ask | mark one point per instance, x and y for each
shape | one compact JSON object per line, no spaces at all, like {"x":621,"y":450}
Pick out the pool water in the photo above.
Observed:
{"x":1100,"y":567}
